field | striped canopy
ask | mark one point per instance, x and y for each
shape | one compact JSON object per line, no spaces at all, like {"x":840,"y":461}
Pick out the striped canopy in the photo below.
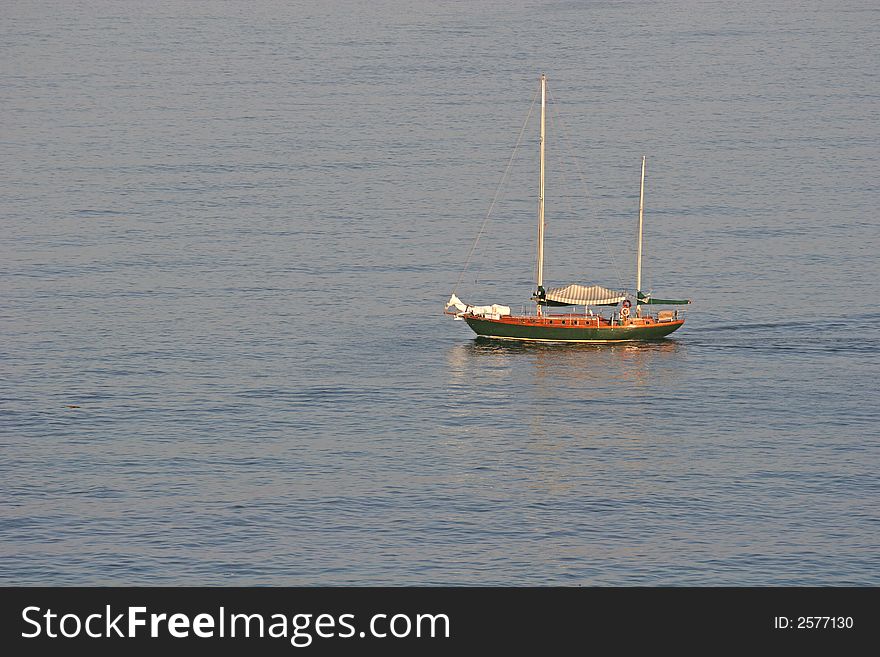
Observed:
{"x":581,"y":295}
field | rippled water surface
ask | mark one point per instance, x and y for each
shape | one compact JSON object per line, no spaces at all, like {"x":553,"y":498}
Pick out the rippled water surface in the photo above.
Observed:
{"x":229,"y":229}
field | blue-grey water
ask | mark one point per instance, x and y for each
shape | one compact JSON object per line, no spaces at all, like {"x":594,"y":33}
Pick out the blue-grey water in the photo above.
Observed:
{"x":228,"y":230}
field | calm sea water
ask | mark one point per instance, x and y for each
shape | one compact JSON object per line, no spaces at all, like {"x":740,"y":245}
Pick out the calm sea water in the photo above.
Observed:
{"x":229,"y":229}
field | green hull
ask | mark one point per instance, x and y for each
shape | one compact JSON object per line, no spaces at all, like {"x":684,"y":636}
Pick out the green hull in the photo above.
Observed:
{"x":509,"y":331}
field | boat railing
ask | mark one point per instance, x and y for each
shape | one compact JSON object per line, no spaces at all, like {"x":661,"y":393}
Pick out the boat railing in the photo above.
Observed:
{"x":587,"y":318}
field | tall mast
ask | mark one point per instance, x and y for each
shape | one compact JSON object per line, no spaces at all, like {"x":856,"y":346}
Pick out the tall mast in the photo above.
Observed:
{"x":540,"y":269}
{"x":641,"y":218}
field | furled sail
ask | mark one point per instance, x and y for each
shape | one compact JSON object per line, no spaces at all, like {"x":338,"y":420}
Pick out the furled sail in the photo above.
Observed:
{"x":579,"y":295}
{"x":647,"y":299}
{"x":495,"y":311}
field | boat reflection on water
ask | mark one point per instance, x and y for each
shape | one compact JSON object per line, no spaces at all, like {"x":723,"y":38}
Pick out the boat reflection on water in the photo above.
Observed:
{"x":558,"y":418}
{"x":481,"y":343}
{"x":567,"y":364}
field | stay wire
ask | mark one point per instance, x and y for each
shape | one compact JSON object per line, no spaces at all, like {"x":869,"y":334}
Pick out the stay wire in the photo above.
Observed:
{"x":497,"y":194}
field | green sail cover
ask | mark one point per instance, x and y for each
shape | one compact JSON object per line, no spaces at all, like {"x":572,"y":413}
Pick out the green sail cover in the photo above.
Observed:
{"x":647,"y":299}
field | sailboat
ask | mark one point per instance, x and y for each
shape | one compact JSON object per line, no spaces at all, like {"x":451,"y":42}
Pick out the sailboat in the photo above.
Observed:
{"x":624,"y":324}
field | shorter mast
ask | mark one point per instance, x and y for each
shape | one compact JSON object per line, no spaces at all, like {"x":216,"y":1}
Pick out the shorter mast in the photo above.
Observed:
{"x":639,"y":249}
